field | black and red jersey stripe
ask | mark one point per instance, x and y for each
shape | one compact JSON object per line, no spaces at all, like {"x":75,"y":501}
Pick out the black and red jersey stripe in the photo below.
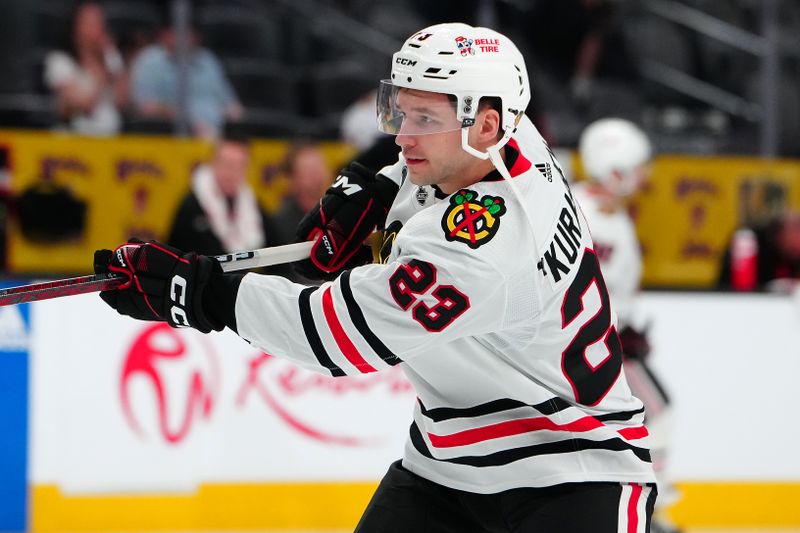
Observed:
{"x":479,"y":434}
{"x":504,"y":457}
{"x":312,"y":335}
{"x":547,"y":407}
{"x":439,"y":414}
{"x":340,"y":335}
{"x":343,"y":341}
{"x":357,"y":316}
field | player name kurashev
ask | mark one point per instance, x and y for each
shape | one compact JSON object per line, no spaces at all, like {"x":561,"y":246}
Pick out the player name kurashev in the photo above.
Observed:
{"x":563,"y":248}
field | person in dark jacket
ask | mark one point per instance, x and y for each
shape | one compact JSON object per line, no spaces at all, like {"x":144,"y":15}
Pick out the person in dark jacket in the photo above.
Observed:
{"x":220,"y":213}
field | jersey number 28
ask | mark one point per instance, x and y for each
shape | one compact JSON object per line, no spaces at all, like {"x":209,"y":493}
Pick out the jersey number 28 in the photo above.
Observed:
{"x":590,"y":382}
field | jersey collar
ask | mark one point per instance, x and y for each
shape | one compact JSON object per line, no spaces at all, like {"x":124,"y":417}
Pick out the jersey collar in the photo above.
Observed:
{"x":516,"y":163}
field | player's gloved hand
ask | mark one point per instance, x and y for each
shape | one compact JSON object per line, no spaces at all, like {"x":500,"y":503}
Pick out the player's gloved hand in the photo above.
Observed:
{"x":356,"y":203}
{"x":163,"y":283}
{"x":634,"y":343}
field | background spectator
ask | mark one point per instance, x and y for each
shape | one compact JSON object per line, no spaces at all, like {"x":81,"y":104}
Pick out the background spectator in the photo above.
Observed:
{"x":308,"y":174}
{"x":583,"y":45}
{"x":358,"y":126}
{"x":154,"y":81}
{"x":765,"y":257}
{"x":88,"y":75}
{"x":133,"y":42}
{"x":220,"y":214}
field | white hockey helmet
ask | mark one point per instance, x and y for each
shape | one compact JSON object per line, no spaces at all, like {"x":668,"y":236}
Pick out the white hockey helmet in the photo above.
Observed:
{"x":612,"y":145}
{"x":463,"y":61}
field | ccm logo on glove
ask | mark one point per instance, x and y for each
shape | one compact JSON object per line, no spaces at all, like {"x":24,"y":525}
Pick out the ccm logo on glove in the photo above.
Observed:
{"x":347,"y":187}
{"x":351,"y":209}
{"x":163,"y":283}
{"x":326,"y":241}
{"x":178,"y":313}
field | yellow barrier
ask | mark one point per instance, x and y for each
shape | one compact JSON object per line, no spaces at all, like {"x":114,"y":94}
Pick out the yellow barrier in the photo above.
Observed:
{"x":692,"y":206}
{"x":744,"y":504}
{"x":132,"y":185}
{"x":338,"y":506}
{"x":319,"y":506}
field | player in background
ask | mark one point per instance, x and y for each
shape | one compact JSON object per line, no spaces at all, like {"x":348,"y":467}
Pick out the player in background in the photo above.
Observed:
{"x":488,"y":294}
{"x":616,"y":157}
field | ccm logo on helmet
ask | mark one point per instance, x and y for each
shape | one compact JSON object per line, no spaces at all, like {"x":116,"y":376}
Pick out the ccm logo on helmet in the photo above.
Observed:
{"x":177,"y":293}
{"x":405,"y":61}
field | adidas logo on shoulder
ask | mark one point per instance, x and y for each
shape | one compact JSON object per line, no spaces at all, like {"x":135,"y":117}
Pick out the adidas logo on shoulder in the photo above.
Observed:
{"x":546,"y":171}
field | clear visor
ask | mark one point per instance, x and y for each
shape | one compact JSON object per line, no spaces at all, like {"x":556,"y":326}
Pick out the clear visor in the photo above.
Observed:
{"x":403,"y":111}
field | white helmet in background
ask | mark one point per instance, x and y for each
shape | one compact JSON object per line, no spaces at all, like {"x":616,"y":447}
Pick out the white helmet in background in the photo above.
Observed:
{"x":612,"y":150}
{"x":463,"y":61}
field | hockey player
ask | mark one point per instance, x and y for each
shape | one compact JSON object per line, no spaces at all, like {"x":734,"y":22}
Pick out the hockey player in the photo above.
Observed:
{"x":616,"y":156}
{"x":488,"y":294}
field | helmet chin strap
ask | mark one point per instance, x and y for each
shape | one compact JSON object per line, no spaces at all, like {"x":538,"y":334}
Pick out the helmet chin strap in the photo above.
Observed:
{"x":469,"y":149}
{"x":488,"y":153}
{"x":493,"y":153}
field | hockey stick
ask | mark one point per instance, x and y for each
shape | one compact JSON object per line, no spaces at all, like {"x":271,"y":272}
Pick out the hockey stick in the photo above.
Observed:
{"x":262,"y":257}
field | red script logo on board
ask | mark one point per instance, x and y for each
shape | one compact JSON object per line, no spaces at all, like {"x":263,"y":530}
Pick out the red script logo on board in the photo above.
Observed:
{"x":181,"y":374}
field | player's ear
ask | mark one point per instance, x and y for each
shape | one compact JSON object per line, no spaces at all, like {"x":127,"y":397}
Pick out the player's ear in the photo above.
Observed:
{"x":489,"y":125}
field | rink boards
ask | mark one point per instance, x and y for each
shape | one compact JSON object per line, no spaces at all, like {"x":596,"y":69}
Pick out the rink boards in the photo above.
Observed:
{"x":135,"y":426}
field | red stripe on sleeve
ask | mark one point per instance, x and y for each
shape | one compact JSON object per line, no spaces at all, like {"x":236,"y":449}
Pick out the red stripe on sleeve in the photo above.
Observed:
{"x":342,"y":340}
{"x":633,"y":502}
{"x":509,"y":428}
{"x":634,"y":433}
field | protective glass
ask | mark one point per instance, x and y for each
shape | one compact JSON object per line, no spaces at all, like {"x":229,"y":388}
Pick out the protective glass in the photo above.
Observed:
{"x":403,"y":111}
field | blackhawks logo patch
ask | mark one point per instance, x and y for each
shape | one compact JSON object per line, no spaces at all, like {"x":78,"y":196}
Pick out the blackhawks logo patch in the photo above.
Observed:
{"x":471,"y":220}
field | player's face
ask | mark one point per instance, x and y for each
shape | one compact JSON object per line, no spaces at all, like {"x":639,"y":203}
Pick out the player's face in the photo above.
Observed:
{"x":433,"y":158}
{"x":626,"y":185}
{"x":642,"y":174}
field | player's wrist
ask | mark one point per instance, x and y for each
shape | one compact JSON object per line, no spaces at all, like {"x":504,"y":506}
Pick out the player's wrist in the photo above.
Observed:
{"x":219,"y":299}
{"x":197,"y":274}
{"x":385,"y":190}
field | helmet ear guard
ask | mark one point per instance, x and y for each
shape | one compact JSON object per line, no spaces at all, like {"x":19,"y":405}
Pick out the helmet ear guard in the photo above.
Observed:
{"x":467,"y":109}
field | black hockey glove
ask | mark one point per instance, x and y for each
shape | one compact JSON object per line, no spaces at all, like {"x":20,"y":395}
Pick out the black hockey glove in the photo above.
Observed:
{"x":356,"y":203}
{"x":634,"y":343}
{"x":163,"y":283}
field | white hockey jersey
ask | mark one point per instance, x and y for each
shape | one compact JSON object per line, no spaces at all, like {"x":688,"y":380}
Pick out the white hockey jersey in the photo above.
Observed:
{"x":502,"y":325}
{"x":617,"y":248}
